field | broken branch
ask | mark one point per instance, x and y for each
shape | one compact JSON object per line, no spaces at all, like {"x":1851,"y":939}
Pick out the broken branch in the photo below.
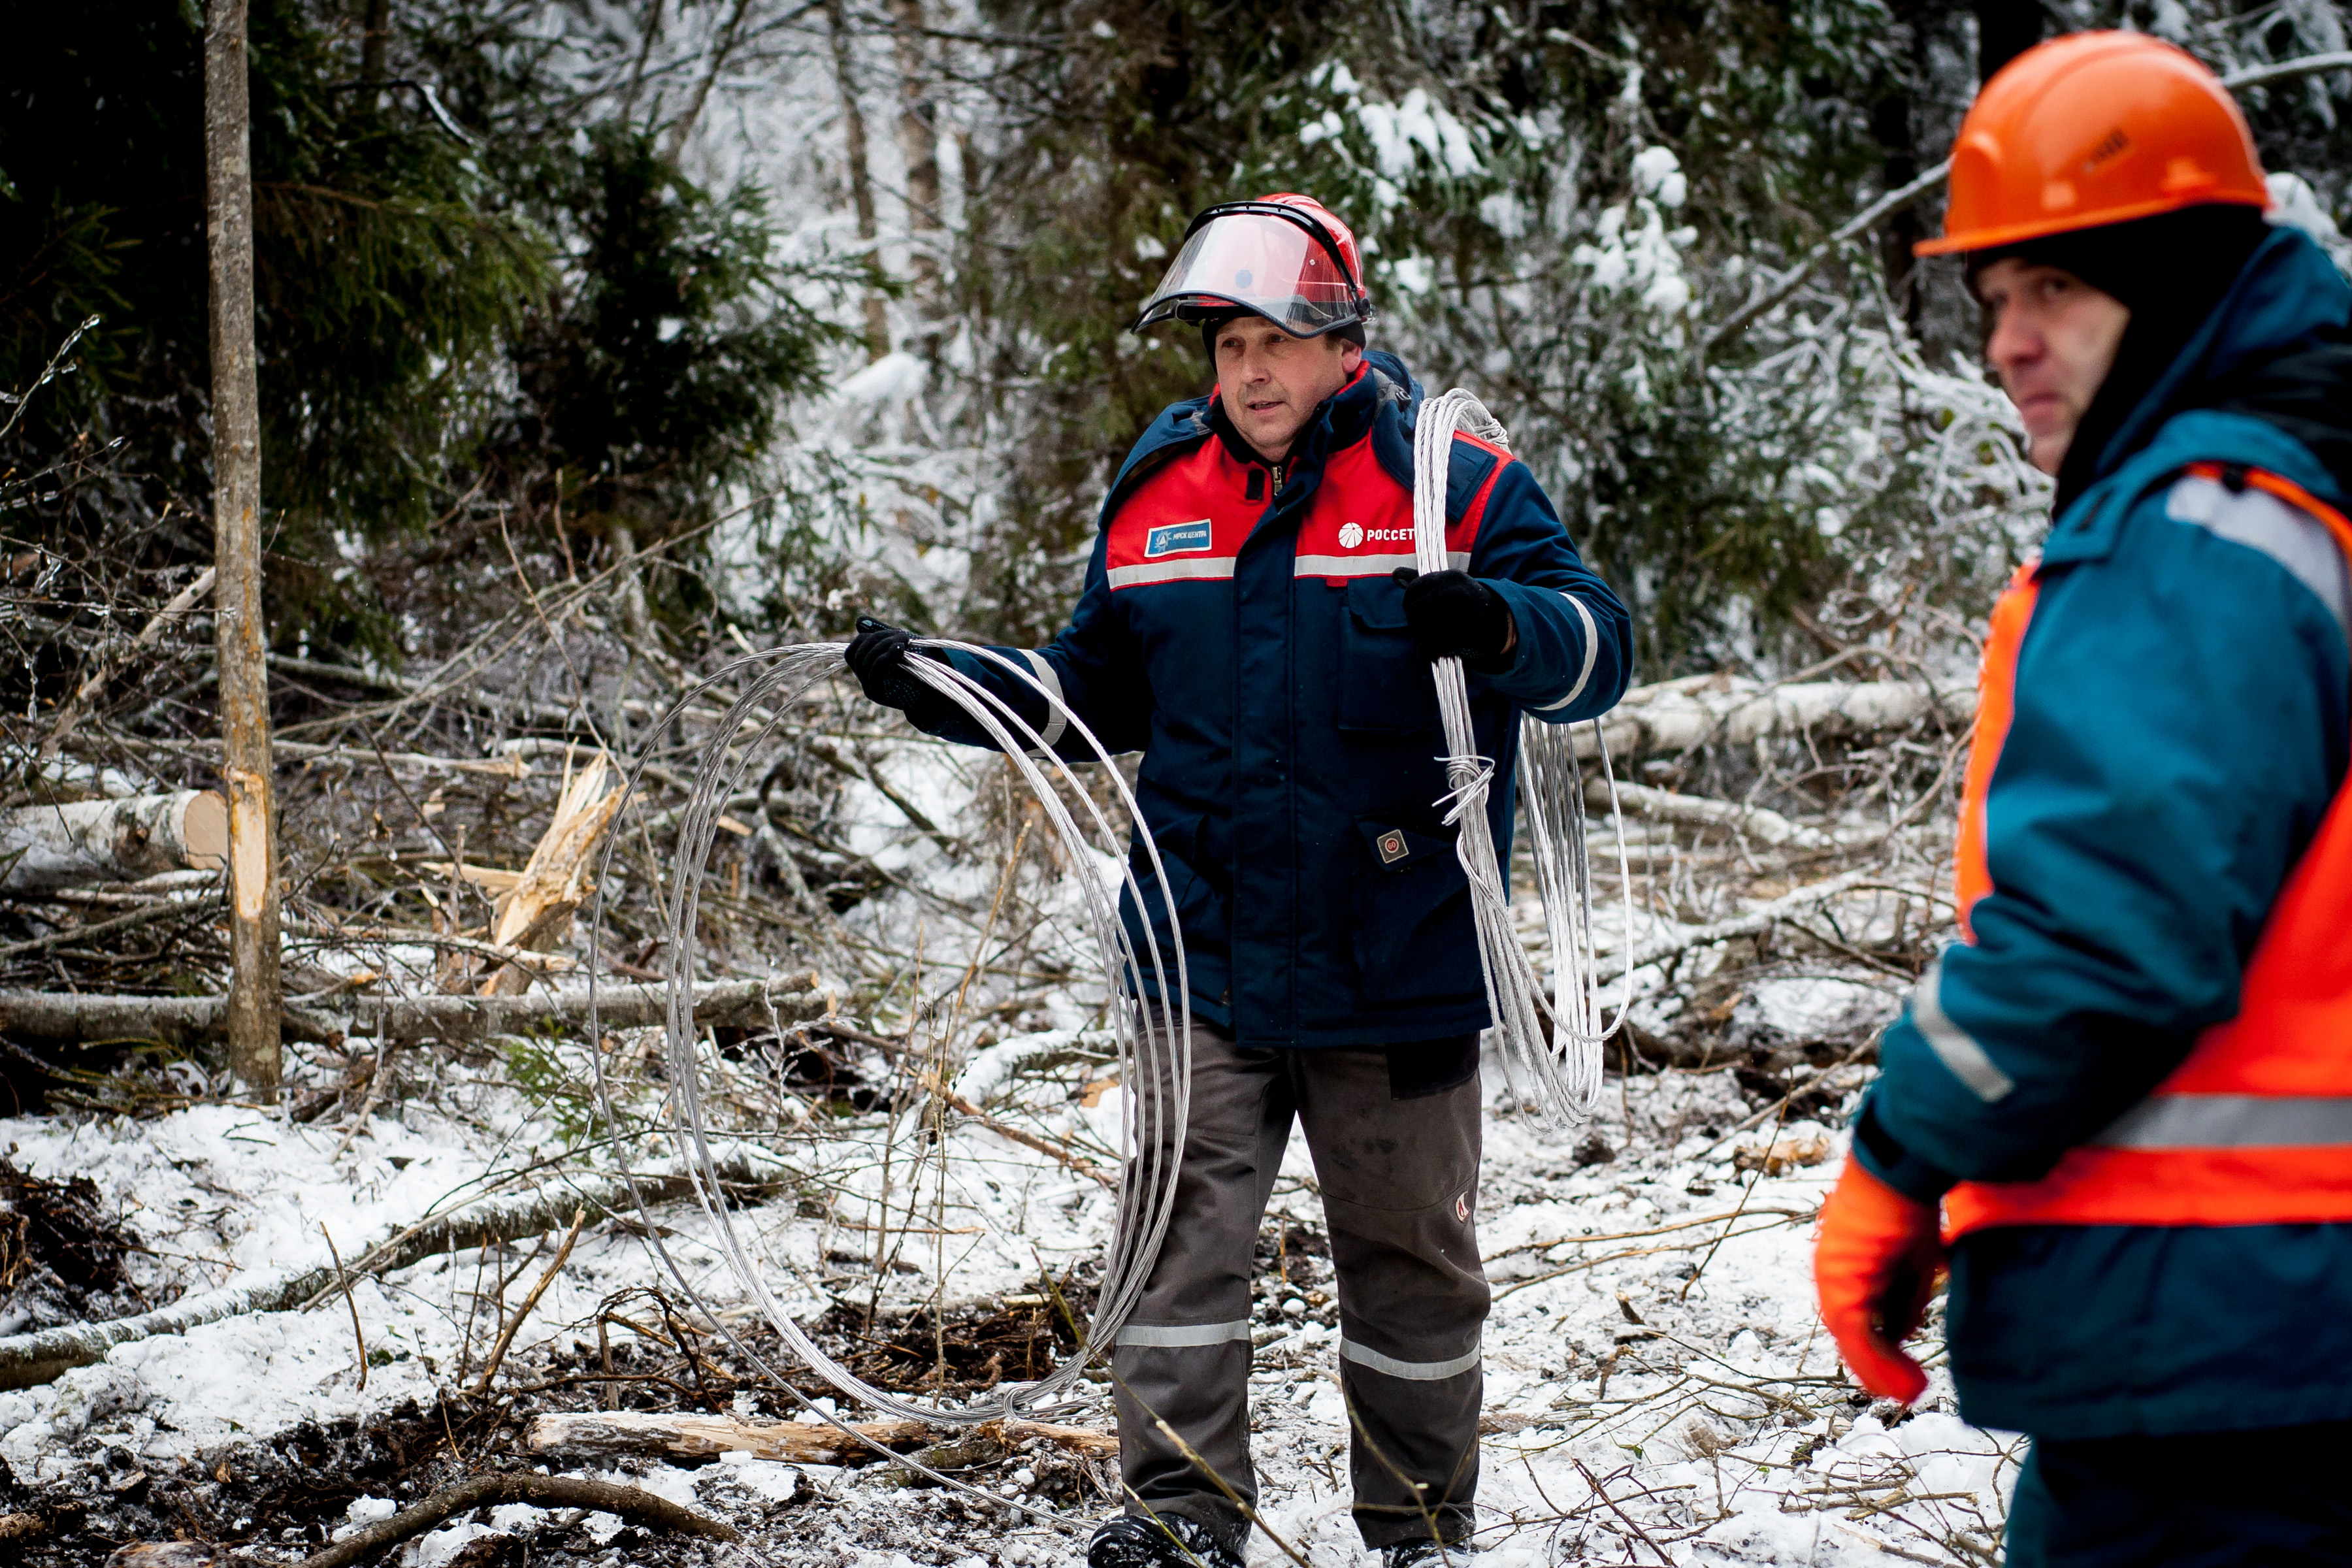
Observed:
{"x":738,"y":1004}
{"x":613,"y":1434}
{"x":629,"y":1503}
{"x":514,"y":1324}
{"x":27,"y":1360}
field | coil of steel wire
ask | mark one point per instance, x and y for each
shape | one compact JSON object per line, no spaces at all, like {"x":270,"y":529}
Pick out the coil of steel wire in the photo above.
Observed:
{"x":1150,"y":1013}
{"x":1560,"y":1068}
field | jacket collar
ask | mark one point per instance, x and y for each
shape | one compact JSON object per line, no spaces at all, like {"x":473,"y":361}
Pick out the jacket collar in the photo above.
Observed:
{"x":1381,"y":402}
{"x":1341,"y":420}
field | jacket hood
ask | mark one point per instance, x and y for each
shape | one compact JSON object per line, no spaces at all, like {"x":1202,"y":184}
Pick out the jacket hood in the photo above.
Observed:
{"x":2288,"y":299}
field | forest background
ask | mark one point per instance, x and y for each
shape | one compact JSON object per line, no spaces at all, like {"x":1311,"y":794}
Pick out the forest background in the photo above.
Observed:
{"x":601,"y":342}
{"x":831,"y":299}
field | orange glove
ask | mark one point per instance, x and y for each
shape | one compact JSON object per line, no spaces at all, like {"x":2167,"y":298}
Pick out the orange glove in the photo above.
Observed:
{"x":1876,"y":1262}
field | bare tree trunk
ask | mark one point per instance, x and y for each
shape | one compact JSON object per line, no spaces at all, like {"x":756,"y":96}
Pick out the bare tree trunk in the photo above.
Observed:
{"x":253,"y":996}
{"x":375,"y":29}
{"x":634,"y":616}
{"x":2005,"y":29}
{"x":645,"y":51}
{"x":919,"y":144}
{"x":724,"y":47}
{"x":861,"y":179}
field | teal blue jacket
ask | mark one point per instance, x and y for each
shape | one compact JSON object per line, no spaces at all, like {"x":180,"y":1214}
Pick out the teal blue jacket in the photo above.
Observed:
{"x":2180,"y":729}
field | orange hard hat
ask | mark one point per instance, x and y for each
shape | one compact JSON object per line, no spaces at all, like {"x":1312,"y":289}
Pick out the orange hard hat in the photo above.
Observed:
{"x":2094,"y":129}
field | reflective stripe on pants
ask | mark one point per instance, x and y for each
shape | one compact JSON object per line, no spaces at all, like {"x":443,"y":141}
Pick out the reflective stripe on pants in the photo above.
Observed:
{"x":1399,"y":1179}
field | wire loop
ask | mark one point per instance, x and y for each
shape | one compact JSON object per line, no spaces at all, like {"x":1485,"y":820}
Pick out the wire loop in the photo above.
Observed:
{"x":1150,"y":1011}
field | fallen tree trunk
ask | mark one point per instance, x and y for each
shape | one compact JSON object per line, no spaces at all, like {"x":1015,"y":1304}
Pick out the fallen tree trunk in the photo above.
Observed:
{"x":631,"y":1504}
{"x":733,"y":1004}
{"x":1676,"y":715}
{"x":37,"y":1358}
{"x":87,"y":1019}
{"x":44,"y":846}
{"x":610,"y":1433}
{"x":1769,"y":827}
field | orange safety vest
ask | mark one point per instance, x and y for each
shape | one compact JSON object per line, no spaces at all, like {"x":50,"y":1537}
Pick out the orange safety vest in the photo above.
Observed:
{"x":2255,"y":1126}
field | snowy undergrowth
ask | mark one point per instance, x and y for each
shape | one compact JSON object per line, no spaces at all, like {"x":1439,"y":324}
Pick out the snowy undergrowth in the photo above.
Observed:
{"x":1658,"y":1388}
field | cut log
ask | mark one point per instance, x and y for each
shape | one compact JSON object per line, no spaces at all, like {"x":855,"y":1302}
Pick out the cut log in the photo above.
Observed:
{"x":1676,"y":715}
{"x":86,"y":1019}
{"x":84,"y":841}
{"x":605,"y":1434}
{"x":35,"y":1357}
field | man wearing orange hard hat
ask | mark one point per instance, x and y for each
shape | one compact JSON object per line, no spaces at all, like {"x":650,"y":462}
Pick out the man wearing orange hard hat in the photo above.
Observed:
{"x":2129,"y":1086}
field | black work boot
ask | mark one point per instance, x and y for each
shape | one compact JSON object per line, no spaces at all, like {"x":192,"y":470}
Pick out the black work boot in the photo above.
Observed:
{"x":1170,"y":1541}
{"x":1424,"y":1554}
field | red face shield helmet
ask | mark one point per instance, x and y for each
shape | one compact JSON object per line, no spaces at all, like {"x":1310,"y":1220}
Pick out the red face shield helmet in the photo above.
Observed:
{"x":1284,"y":257}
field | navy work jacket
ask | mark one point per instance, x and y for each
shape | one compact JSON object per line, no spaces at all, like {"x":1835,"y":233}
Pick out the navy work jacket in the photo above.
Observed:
{"x":1240,"y":627}
{"x":2179,"y":729}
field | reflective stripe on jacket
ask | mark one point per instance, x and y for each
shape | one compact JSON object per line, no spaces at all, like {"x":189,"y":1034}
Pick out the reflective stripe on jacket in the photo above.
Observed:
{"x":2255,"y":1127}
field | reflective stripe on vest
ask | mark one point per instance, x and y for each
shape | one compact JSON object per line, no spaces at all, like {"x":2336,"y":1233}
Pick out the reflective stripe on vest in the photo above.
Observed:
{"x":2255,"y":1126}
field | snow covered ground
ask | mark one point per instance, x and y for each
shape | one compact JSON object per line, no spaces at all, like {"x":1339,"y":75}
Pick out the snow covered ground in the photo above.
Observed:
{"x":1658,"y":1388}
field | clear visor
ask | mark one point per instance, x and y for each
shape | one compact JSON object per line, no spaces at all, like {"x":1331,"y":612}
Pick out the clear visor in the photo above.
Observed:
{"x":1255,"y":262}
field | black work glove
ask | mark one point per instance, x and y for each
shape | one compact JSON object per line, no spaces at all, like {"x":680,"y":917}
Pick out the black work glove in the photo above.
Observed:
{"x":878,"y":656}
{"x":1452,"y":614}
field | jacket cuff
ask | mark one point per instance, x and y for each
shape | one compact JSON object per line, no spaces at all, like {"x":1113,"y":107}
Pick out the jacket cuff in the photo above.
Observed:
{"x":1517,"y":668}
{"x":1501,"y":664}
{"x":1884,"y":1156}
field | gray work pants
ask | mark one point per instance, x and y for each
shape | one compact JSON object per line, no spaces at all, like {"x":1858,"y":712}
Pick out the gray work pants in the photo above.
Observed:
{"x":1400,"y":1189}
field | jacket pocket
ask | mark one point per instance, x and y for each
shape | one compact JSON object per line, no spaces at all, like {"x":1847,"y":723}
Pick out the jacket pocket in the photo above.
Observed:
{"x":1384,"y":688}
{"x":1415,"y":937}
{"x":1185,"y":900}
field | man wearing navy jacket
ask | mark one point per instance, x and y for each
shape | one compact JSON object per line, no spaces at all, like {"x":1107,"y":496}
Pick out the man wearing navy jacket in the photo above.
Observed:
{"x":1252,"y":623}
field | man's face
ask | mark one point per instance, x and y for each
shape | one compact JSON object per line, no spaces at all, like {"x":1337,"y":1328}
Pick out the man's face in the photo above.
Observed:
{"x":2053,"y":341}
{"x":1272,"y":382}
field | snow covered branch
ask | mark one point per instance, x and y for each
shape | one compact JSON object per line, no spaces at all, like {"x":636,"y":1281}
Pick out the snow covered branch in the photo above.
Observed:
{"x":608,"y":1434}
{"x":1778,"y":292}
{"x":736,"y":1004}
{"x":1765,"y":826}
{"x":35,"y":1357}
{"x":631,"y":1504}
